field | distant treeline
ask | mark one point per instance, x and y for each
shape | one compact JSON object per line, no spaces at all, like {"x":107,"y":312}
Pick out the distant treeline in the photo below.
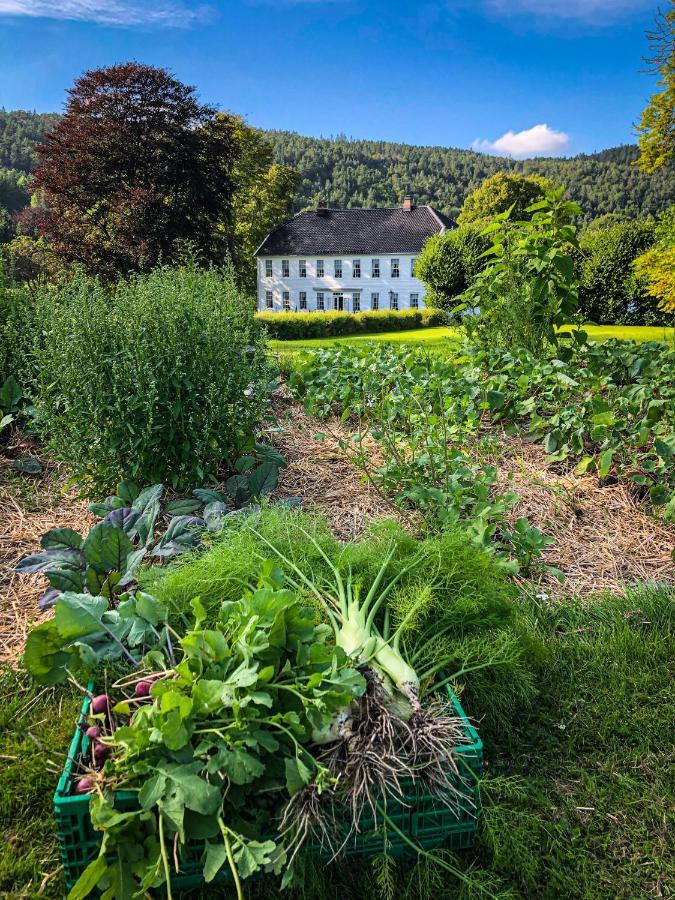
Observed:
{"x":349,"y":172}
{"x":376,"y":173}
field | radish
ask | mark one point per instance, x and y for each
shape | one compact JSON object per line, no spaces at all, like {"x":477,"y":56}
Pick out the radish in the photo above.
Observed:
{"x":84,"y":785}
{"x":100,"y":704}
{"x":100,"y":752}
{"x":93,"y":732}
{"x":142,"y":688}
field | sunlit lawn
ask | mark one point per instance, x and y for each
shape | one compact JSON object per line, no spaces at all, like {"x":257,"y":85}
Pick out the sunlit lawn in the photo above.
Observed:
{"x":446,"y":339}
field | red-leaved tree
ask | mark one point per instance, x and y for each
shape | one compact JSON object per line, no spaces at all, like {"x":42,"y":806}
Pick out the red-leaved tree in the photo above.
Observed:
{"x":136,"y":170}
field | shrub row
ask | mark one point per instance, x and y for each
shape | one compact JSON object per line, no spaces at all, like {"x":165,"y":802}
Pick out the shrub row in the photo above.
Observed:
{"x":296,"y":326}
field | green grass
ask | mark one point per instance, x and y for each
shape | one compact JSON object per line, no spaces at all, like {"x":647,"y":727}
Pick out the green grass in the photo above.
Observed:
{"x":578,"y":783}
{"x":446,"y":339}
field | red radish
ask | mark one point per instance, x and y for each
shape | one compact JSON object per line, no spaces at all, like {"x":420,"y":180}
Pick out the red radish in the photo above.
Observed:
{"x":142,"y":689}
{"x":84,"y":785}
{"x":100,"y":704}
{"x":93,"y":732}
{"x":100,"y":752}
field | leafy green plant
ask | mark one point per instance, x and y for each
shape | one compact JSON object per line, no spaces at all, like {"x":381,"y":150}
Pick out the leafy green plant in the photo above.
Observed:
{"x":528,"y":286}
{"x":161,"y":377}
{"x":220,"y":745}
{"x":10,"y":400}
{"x":87,"y":631}
{"x":104,"y":563}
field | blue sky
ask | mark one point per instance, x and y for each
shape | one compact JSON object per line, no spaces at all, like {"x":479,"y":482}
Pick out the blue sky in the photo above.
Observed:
{"x":507,"y":76}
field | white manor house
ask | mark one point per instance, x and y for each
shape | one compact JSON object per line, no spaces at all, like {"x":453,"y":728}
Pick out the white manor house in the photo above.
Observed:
{"x":346,"y":259}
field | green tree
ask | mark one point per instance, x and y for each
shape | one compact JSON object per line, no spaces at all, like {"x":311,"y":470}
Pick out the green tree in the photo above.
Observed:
{"x":656,"y":128}
{"x":501,"y":192}
{"x":657,"y":265}
{"x":263,"y":196}
{"x":528,"y":287}
{"x":448,"y":264}
{"x":609,"y":292}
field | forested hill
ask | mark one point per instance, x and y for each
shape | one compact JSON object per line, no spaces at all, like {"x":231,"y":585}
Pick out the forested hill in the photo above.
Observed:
{"x":376,"y":173}
{"x":20,"y":132}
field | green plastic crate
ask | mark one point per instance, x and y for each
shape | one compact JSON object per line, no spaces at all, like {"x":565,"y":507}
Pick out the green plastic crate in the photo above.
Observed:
{"x":422,"y":817}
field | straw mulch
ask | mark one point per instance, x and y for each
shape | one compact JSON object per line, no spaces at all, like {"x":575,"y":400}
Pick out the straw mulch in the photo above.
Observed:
{"x":30,"y":506}
{"x":320,"y":473}
{"x":604,"y":537}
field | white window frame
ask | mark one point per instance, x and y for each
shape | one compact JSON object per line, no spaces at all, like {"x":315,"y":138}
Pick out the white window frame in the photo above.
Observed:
{"x":395,"y":267}
{"x":356,"y":302}
{"x":375,"y":300}
{"x":415,"y":300}
{"x":286,"y":301}
{"x":320,"y":268}
{"x":320,"y":301}
{"x":375,"y":268}
{"x":412,"y":266}
{"x":268,"y":268}
{"x":337,"y":268}
{"x":285,"y":268}
{"x":269,"y":300}
{"x":302,"y":268}
{"x":393,"y":300}
{"x":356,"y":268}
{"x":302,"y":300}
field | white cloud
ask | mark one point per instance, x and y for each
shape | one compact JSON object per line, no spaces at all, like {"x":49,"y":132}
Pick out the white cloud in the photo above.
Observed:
{"x":540,"y":140}
{"x":124,"y":13}
{"x":596,"y":12}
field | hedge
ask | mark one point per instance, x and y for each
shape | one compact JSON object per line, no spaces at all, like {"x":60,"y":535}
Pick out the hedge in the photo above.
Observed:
{"x":288,"y":326}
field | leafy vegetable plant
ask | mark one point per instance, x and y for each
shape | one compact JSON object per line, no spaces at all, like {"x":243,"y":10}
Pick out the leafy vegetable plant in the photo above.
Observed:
{"x":218,"y":745}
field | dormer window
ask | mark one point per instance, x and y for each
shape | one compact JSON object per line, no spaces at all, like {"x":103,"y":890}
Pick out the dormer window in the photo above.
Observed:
{"x":285,"y":268}
{"x":356,"y":268}
{"x":268,"y":268}
{"x":395,"y":268}
{"x":302,"y":268}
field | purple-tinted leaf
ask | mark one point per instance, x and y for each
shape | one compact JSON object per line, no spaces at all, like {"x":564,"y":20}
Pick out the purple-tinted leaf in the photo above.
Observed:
{"x":49,"y":598}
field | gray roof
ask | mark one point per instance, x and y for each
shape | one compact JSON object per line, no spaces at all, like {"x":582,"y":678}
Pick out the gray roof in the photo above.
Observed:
{"x":355,"y":231}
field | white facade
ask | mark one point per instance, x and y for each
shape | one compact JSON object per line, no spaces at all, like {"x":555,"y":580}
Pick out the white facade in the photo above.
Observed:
{"x":281,"y":285}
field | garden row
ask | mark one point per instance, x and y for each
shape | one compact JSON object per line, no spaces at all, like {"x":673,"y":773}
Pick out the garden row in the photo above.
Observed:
{"x":606,"y":408}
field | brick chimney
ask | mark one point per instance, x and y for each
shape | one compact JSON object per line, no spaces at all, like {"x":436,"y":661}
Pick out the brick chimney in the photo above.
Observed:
{"x":408,"y":202}
{"x":322,"y":208}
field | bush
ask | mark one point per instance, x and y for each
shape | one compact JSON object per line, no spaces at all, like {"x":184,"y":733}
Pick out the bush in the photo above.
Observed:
{"x":528,"y":287}
{"x":16,"y":312}
{"x":610,"y":293}
{"x":656,"y":267}
{"x":449,"y":262}
{"x":297,"y":326}
{"x":158,"y":378}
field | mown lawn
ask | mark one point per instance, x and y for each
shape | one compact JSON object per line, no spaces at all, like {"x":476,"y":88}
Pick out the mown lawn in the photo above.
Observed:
{"x":446,"y":339}
{"x":578,"y":790}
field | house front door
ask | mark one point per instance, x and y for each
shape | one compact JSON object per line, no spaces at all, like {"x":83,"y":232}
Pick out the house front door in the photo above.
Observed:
{"x":340,"y":302}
